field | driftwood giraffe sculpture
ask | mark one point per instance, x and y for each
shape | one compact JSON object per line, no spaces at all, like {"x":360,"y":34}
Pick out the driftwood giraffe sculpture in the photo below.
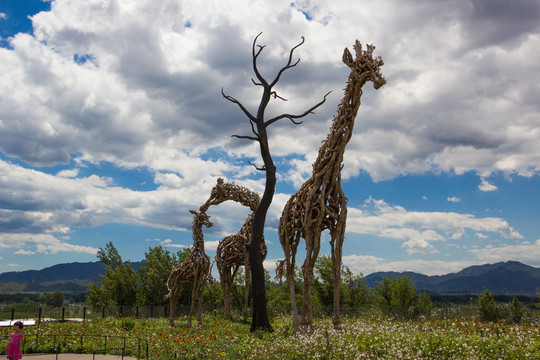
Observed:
{"x":320,"y":204}
{"x":232,"y":252}
{"x":194,"y":269}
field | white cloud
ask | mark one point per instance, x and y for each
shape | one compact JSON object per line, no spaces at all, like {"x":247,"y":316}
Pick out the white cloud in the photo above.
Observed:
{"x":132,"y":100}
{"x":453,"y":199}
{"x":486,"y":186}
{"x":107,"y":82}
{"x":369,"y":264}
{"x":72,"y":173}
{"x":28,"y":244}
{"x":417,"y":229}
{"x":3,"y":16}
{"x":524,"y":252}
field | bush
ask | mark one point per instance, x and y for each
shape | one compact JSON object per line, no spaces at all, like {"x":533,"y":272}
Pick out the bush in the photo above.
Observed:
{"x":487,"y":307}
{"x":515,"y":311}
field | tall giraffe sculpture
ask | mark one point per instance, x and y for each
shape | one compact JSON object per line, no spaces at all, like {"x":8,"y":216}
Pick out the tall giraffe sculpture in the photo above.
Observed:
{"x":194,"y":269}
{"x":320,"y":204}
{"x":232,"y":252}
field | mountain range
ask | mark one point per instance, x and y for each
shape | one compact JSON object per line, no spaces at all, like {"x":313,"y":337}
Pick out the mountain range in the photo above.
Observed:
{"x":503,"y":278}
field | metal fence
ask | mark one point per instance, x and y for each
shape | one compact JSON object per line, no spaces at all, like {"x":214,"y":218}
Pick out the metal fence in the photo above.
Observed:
{"x":37,"y":344}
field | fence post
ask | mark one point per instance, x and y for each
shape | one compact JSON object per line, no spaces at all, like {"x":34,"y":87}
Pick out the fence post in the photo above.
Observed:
{"x":63,"y":313}
{"x":84,"y":314}
{"x":12,"y":314}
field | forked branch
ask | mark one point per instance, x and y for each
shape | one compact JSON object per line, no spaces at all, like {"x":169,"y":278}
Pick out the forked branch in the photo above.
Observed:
{"x":293,"y":117}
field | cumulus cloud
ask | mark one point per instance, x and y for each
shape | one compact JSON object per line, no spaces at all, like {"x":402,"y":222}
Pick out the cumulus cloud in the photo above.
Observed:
{"x":453,"y":199}
{"x":367,"y":264}
{"x":486,"y":186}
{"x":418,"y":230}
{"x":29,"y":244}
{"x":102,"y":81}
{"x":523,"y":251}
{"x":122,"y":100}
{"x":34,"y":202}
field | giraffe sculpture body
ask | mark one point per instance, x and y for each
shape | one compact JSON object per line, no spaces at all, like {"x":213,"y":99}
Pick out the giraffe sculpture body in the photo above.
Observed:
{"x":195,"y":270}
{"x":320,"y":204}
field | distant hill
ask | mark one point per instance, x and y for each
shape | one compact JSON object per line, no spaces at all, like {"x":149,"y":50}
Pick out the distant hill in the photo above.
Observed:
{"x":80,"y":271}
{"x":70,"y":277}
{"x":503,"y":278}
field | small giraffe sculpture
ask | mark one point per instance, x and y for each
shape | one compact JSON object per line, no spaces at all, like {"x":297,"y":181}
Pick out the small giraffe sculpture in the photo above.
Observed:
{"x":232,"y":251}
{"x":231,"y":254}
{"x":320,"y":204}
{"x":194,"y":269}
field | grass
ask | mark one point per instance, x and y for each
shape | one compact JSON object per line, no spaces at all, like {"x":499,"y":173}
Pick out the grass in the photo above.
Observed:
{"x":369,"y":337}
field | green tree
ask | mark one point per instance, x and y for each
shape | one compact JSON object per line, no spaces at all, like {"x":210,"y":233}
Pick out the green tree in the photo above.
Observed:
{"x":153,"y":275}
{"x":423,"y":304}
{"x":354,"y":291}
{"x":118,"y":285}
{"x":53,"y":299}
{"x":515,"y":310}
{"x":323,"y":287}
{"x":396,"y":296}
{"x":487,"y":307}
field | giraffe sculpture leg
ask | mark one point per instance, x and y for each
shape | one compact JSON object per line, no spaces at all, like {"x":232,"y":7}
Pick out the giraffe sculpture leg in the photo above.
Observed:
{"x":336,"y":243}
{"x":292,"y":294}
{"x":194,"y":296}
{"x":172,"y":304}
{"x":313,"y":242}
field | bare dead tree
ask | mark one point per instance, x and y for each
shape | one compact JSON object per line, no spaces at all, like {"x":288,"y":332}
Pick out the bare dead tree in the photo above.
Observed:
{"x":259,"y":134}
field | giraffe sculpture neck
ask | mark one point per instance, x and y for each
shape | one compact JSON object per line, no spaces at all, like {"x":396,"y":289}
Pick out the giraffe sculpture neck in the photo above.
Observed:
{"x":333,"y":148}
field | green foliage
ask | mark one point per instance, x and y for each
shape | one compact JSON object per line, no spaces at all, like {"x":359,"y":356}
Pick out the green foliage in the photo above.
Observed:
{"x":487,"y":307}
{"x":424,"y":305}
{"x":515,"y":311}
{"x":128,"y":323}
{"x":118,"y":285}
{"x":397,"y":296}
{"x":353,"y":288}
{"x":361,"y":338}
{"x":153,"y":275}
{"x":54,"y":299}
{"x":355,"y":291}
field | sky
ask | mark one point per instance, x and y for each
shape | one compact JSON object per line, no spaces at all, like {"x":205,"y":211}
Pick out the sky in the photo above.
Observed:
{"x":113,"y":126}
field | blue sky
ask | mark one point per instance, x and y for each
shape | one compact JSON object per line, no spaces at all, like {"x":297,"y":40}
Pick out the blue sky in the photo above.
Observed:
{"x":112,"y":126}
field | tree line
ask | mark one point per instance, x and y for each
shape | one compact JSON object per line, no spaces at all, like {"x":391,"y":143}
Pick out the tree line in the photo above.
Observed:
{"x":123,"y":285}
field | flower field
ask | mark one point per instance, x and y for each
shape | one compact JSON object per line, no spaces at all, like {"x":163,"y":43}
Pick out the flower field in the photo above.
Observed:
{"x":361,"y":338}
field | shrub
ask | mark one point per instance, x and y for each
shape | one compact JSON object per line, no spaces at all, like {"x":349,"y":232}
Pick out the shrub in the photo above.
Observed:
{"x":487,"y":307}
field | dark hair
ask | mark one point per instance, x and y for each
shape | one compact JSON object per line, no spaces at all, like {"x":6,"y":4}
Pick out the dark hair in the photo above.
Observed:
{"x":19,"y":324}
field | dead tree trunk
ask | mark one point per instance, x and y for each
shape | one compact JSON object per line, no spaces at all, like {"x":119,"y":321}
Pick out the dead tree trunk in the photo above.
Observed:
{"x":258,"y":127}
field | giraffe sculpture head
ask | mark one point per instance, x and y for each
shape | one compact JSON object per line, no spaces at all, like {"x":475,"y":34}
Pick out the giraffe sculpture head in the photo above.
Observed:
{"x":201,"y":219}
{"x":364,"y":67}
